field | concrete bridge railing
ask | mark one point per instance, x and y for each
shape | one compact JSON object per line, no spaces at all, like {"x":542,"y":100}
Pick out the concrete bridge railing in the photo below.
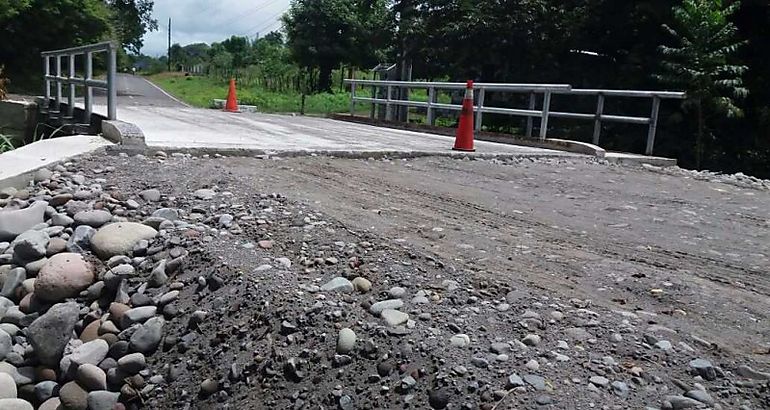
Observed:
{"x":544,"y":113}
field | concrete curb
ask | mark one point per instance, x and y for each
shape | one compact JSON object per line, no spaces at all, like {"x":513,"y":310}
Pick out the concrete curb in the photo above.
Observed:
{"x":18,"y":167}
{"x":576,"y":147}
{"x":123,"y":133}
{"x":253,"y":152}
{"x":633,"y":159}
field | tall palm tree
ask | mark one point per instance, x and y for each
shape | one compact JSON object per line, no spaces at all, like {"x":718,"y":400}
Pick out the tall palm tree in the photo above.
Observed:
{"x":701,"y":61}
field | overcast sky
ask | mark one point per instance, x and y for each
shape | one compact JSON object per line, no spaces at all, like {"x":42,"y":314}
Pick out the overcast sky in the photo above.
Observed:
{"x":211,"y":20}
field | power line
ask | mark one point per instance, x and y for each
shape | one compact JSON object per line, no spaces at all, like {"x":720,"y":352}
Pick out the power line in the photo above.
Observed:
{"x":252,"y":12}
{"x":261,"y":25}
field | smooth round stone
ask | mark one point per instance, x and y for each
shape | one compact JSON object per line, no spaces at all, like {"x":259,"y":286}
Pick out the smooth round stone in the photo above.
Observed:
{"x":7,"y":387}
{"x":51,"y":404}
{"x":73,"y":397}
{"x":15,"y":404}
{"x":362,"y":285}
{"x":91,"y":377}
{"x":209,"y":386}
{"x":132,"y":363}
{"x":93,"y":219}
{"x":346,"y":341}
{"x":45,"y":390}
{"x":119,"y":238}
{"x":397,"y":292}
{"x":90,"y":332}
{"x":102,"y":400}
{"x":460,"y":340}
{"x":64,"y":276}
{"x":5,"y":344}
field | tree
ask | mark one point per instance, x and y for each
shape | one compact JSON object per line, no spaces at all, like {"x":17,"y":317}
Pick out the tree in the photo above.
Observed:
{"x":325,"y":34}
{"x":131,"y":19}
{"x":48,"y":25}
{"x":10,"y":8}
{"x":701,"y":62}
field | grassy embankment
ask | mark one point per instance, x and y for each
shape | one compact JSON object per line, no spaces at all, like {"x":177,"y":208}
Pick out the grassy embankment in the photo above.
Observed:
{"x":199,"y":91}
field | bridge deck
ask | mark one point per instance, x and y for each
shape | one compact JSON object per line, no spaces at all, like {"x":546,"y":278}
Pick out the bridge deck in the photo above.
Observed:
{"x":166,"y":122}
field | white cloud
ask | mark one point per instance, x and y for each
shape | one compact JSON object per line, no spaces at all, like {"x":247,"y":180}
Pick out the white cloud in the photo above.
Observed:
{"x":211,"y":20}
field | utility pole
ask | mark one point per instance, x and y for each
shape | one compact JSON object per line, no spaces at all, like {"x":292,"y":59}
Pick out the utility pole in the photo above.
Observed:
{"x":169,"y":44}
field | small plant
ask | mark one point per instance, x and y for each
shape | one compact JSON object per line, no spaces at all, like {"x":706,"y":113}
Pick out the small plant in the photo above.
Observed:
{"x":6,"y":144}
{"x":3,"y":84}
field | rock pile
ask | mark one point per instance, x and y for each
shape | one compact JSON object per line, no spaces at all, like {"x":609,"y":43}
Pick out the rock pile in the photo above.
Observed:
{"x":77,"y":261}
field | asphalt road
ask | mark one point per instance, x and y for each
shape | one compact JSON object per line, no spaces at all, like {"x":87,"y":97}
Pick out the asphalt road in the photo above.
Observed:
{"x":135,"y":91}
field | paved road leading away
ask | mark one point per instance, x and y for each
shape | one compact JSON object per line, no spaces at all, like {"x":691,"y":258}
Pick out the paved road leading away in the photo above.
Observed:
{"x":167,"y":122}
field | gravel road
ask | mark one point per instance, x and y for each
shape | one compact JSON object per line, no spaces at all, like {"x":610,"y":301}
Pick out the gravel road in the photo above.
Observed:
{"x":316,"y":282}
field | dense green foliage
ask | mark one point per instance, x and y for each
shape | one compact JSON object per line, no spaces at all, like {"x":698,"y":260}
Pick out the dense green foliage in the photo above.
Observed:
{"x":28,"y":27}
{"x":700,"y":63}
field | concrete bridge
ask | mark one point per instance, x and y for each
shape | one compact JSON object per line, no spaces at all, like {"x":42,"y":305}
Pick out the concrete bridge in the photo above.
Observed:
{"x":167,"y":122}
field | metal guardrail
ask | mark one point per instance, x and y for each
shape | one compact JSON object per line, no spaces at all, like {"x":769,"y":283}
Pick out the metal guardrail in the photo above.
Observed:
{"x":544,"y":113}
{"x":87,"y":81}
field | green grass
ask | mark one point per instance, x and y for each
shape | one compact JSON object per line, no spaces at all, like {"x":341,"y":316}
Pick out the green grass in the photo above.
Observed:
{"x":199,"y":91}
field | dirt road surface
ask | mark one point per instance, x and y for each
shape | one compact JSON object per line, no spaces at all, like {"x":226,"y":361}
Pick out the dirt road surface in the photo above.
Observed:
{"x":598,"y":284}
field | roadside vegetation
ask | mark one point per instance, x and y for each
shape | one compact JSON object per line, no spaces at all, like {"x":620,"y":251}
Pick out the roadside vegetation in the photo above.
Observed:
{"x":199,"y":91}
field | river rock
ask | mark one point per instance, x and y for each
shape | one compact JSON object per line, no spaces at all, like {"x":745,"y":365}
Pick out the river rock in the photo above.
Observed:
{"x":13,"y":280}
{"x":102,"y":400}
{"x":30,"y":246}
{"x":377,"y":308}
{"x":91,"y":377}
{"x":50,"y":333}
{"x":15,"y":222}
{"x":5,"y":344}
{"x":346,"y":341}
{"x":338,"y":284}
{"x":73,"y":397}
{"x":137,"y":315}
{"x":7,"y":387}
{"x":93,"y":219}
{"x":15,"y":404}
{"x":63,"y":276}
{"x":150,"y":195}
{"x":132,"y":363}
{"x":80,"y":241}
{"x":147,"y":337}
{"x":92,"y":352}
{"x":119,"y":238}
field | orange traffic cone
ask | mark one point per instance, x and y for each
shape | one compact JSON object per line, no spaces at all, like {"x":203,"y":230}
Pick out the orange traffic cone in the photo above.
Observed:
{"x":464,"y":139}
{"x":232,"y":99}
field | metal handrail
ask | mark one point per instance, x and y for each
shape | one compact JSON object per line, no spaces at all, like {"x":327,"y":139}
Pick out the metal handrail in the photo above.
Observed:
{"x":87,"y":81}
{"x":544,"y":114}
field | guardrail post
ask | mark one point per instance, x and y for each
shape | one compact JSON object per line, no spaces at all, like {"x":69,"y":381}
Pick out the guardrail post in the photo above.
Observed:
{"x":530,"y":120}
{"x":57,"y":105}
{"x":71,"y":94}
{"x":47,"y":71}
{"x":653,"y":125}
{"x":431,"y":99}
{"x":479,"y":113}
{"x":546,"y":111}
{"x":388,"y":108}
{"x":112,"y":87}
{"x":374,"y":104}
{"x":88,"y":92}
{"x":352,"y":98}
{"x":598,"y":120}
